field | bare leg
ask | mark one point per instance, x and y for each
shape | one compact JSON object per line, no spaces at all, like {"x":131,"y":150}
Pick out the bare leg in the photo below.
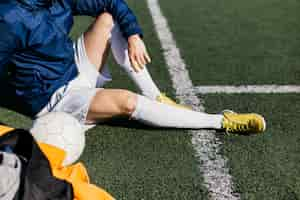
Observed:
{"x":96,"y":40}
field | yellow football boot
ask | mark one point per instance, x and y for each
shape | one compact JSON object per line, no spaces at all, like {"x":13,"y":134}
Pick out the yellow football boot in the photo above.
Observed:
{"x":162,"y":98}
{"x":243,"y":123}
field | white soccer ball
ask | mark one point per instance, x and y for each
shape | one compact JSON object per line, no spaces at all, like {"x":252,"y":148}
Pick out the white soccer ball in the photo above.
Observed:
{"x":63,"y":131}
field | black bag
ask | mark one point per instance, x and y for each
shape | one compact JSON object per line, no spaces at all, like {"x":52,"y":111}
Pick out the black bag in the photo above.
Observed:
{"x":37,"y":181}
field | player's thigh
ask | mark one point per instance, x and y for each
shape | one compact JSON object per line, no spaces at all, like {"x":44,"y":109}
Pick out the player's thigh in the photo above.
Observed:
{"x":96,"y":39}
{"x":109,"y":103}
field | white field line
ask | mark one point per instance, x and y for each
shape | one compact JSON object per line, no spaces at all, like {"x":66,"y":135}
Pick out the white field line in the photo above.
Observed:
{"x":212,"y":164}
{"x":263,"y":89}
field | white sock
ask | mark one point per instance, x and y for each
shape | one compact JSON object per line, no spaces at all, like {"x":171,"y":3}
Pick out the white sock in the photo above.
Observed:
{"x":162,"y":115}
{"x":142,"y":79}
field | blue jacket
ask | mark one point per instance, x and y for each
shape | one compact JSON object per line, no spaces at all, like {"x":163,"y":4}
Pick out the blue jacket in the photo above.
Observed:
{"x":36,"y":50}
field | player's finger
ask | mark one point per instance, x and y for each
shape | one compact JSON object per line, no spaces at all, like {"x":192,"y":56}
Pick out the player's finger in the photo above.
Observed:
{"x":147,"y":57}
{"x":140,"y":62}
{"x":143,"y":60}
{"x":134,"y":64}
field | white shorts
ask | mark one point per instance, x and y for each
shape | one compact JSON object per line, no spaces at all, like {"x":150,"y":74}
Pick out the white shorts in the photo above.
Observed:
{"x":75,"y":97}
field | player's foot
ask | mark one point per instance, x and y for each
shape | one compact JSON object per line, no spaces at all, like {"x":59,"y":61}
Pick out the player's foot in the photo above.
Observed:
{"x":162,"y":98}
{"x":243,"y":123}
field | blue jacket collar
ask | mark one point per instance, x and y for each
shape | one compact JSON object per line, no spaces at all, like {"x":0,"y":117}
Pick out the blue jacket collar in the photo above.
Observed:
{"x":36,"y":3}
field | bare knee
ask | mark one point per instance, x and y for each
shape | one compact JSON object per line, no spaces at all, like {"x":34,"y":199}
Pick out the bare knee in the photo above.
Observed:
{"x":105,"y":20}
{"x":109,"y":103}
{"x":129,"y":102}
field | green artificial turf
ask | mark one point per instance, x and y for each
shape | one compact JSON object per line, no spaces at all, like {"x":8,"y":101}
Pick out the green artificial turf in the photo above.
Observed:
{"x":143,"y":164}
{"x":237,"y":41}
{"x":14,"y":119}
{"x":264,"y":166}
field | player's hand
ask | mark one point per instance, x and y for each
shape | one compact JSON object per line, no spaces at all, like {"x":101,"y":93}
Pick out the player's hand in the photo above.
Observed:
{"x":138,"y":54}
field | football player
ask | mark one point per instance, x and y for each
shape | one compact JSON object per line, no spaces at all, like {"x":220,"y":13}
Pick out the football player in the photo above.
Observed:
{"x":48,"y":72}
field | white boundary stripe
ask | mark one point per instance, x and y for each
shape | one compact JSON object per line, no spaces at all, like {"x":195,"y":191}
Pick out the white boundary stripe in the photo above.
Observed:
{"x":267,"y":89}
{"x":212,"y":164}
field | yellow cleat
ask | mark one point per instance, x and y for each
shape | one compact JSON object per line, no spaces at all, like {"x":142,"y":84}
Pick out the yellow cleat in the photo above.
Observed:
{"x":243,"y":123}
{"x":162,"y":98}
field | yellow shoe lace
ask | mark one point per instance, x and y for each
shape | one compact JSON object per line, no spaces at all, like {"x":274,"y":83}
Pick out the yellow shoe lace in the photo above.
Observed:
{"x":241,"y":123}
{"x":235,"y":126}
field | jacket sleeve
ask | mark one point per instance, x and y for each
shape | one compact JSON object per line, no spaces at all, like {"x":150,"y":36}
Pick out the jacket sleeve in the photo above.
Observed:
{"x":119,"y":9}
{"x":8,"y":45}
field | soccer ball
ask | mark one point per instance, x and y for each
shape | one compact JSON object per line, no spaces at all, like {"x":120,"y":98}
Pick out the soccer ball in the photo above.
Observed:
{"x":63,"y":131}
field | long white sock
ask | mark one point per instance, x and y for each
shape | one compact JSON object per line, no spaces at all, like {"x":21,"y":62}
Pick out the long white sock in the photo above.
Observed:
{"x":142,"y":79}
{"x":162,"y":115}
